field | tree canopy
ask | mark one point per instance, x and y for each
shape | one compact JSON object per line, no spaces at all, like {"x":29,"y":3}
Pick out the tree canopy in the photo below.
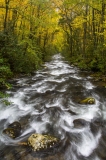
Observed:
{"x":31,"y":31}
{"x":84,"y":27}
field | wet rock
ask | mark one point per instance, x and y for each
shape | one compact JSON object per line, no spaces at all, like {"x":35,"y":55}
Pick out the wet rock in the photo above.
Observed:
{"x":95,"y":126}
{"x":40,"y":142}
{"x":13,"y":130}
{"x":16,"y":125}
{"x":71,"y":112}
{"x":79,"y":123}
{"x":97,"y":122}
{"x":89,"y":100}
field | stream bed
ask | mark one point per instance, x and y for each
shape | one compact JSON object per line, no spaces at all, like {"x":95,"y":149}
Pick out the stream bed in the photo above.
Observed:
{"x":47,"y":103}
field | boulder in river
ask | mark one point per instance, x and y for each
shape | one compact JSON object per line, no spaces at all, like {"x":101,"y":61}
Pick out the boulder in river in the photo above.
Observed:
{"x":13,"y":130}
{"x":15,"y":125}
{"x":89,"y":100}
{"x":39,"y":142}
{"x":98,"y":121}
{"x":36,"y":142}
{"x":79,"y":123}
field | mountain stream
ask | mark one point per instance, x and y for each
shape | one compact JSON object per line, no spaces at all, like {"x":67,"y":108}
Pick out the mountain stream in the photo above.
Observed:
{"x":47,"y":103}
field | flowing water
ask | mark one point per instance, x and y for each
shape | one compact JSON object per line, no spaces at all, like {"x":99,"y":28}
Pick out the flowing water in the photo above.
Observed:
{"x":47,"y":103}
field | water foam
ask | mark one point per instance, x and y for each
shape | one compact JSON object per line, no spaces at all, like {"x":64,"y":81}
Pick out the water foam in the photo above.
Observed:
{"x":88,"y":143}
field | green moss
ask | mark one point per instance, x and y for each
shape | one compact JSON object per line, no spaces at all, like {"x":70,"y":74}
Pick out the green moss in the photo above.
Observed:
{"x":88,"y":100}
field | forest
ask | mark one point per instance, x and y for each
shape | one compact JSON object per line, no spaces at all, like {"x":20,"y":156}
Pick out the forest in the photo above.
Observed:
{"x":32,"y":31}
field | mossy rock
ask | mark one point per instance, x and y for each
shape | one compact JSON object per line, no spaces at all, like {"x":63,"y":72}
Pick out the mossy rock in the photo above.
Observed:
{"x":89,"y":100}
{"x":36,"y":142}
{"x":13,"y":130}
{"x":39,"y":142}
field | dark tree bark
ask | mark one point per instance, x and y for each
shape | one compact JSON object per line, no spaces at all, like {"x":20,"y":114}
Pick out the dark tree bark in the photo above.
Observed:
{"x":6,"y":14}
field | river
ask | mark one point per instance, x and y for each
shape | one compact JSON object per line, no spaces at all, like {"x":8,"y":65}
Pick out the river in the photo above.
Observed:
{"x":47,"y":103}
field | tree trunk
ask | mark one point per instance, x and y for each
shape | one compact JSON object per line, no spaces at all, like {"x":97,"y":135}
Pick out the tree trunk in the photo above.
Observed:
{"x":93,"y":27}
{"x":102,"y":21}
{"x":6,"y":14}
{"x":85,"y":31}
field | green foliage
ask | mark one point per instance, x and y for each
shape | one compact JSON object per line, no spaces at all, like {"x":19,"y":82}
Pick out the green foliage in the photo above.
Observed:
{"x":82,"y":65}
{"x":4,"y":100}
{"x":50,"y":51}
{"x":5,"y":73}
{"x":2,"y":95}
{"x":27,"y":63}
{"x":15,"y":58}
{"x":22,"y":57}
{"x":84,"y":26}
